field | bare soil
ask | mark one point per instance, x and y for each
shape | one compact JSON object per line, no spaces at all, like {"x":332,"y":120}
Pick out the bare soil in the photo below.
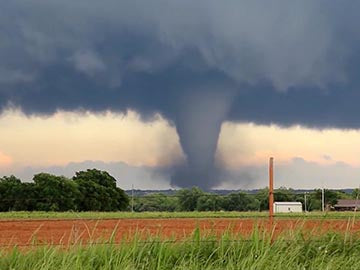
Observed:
{"x":64,"y":232}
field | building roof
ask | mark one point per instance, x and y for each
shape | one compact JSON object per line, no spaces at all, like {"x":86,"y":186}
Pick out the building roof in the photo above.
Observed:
{"x":347,"y":203}
{"x":288,"y":203}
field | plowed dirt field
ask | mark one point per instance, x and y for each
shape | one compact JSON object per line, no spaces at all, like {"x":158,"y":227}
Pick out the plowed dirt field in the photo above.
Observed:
{"x":63,"y":232}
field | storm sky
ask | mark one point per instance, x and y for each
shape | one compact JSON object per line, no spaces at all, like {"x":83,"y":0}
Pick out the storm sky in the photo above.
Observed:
{"x":204,"y":85}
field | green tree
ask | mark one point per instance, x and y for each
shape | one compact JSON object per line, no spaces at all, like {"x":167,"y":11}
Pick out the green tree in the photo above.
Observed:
{"x":156,"y":202}
{"x":210,"y":202}
{"x":241,"y":201}
{"x":10,"y":192}
{"x":57,"y":193}
{"x":330,"y":196}
{"x":355,"y":194}
{"x":283,"y":194}
{"x":29,"y":197}
{"x":98,"y":192}
{"x":263,"y":197}
{"x":17,"y":196}
{"x":188,"y":198}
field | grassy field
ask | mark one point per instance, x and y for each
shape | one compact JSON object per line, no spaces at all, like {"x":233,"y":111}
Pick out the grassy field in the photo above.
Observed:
{"x":111,"y":215}
{"x":115,"y":215}
{"x":290,"y":251}
{"x":293,"y":249}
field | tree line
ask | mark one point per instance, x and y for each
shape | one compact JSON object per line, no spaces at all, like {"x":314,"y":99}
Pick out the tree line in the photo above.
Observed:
{"x":95,"y":190}
{"x":90,"y":190}
{"x":195,"y":199}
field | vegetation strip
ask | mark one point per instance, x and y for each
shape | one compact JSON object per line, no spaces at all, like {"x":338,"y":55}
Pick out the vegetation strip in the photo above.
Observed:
{"x":38,"y":215}
{"x":95,"y":190}
{"x":260,"y":251}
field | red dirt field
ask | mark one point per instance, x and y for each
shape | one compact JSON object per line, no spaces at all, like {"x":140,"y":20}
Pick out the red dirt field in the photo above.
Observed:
{"x":64,"y":232}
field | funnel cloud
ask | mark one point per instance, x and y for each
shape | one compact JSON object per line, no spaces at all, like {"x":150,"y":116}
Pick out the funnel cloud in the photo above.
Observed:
{"x":198,"y":122}
{"x":198,"y":63}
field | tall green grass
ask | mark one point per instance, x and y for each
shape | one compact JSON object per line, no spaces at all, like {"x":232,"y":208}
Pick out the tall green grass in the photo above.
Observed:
{"x":292,"y":250}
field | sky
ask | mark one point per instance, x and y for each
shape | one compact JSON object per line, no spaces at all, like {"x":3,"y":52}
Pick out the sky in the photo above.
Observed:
{"x":182,"y":93}
{"x":140,"y":153}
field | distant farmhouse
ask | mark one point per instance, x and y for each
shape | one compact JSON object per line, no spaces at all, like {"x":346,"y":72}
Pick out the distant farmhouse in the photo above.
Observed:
{"x":347,"y":205}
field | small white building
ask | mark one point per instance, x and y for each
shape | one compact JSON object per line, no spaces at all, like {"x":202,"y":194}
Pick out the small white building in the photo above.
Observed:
{"x":287,"y":207}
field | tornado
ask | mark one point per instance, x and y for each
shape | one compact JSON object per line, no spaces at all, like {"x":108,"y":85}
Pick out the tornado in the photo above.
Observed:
{"x":198,"y":124}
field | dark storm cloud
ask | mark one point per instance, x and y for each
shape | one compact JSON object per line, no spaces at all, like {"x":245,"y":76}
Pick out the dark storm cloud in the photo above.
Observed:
{"x":196,"y":62}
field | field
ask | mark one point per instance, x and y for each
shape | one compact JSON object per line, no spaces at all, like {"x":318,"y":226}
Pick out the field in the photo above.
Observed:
{"x":197,"y":240}
{"x":125,"y":215}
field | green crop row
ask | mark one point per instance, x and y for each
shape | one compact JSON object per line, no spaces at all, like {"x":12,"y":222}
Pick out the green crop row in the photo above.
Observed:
{"x":219,"y":214}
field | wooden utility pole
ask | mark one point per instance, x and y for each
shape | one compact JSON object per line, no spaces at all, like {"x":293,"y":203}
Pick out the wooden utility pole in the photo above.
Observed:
{"x":132,"y":198}
{"x":323,"y":200}
{"x":271,"y":189}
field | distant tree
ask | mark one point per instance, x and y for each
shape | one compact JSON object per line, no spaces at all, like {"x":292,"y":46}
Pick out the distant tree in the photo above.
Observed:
{"x":28,"y":198}
{"x":210,"y":202}
{"x":330,"y":196}
{"x":156,"y":202}
{"x":17,"y":196}
{"x":98,"y":192}
{"x":300,"y":198}
{"x":355,"y":194}
{"x":10,"y":192}
{"x":241,"y":201}
{"x":188,"y":198}
{"x":90,"y":190}
{"x":254,"y":204}
{"x":56,"y":193}
{"x":342,"y":194}
{"x":283,"y":194}
{"x":263,"y":197}
{"x":313,"y":201}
